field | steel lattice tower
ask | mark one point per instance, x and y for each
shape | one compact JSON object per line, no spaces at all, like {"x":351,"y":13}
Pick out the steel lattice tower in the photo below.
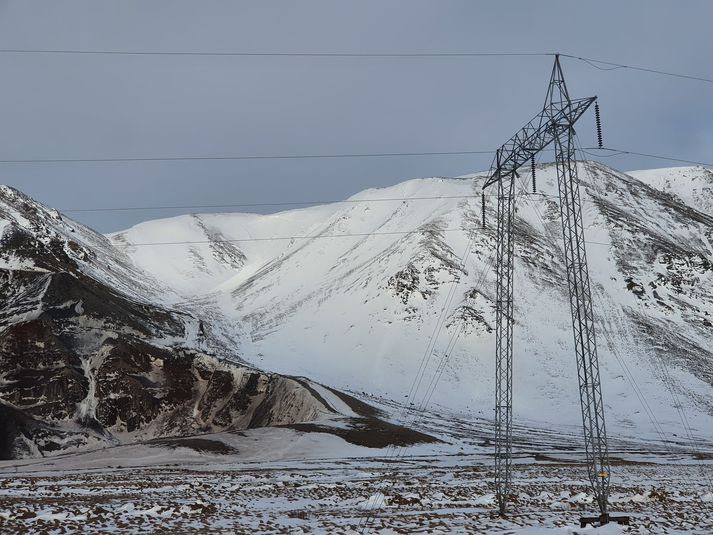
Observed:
{"x":554,"y":124}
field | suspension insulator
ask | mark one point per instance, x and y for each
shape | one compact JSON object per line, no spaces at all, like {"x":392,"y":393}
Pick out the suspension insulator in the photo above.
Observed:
{"x":534,"y":182}
{"x":483,"y":209}
{"x":599,"y":124}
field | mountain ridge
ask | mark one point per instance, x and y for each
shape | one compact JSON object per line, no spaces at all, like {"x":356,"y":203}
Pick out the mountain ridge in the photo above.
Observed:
{"x":638,"y":235}
{"x":390,"y":295}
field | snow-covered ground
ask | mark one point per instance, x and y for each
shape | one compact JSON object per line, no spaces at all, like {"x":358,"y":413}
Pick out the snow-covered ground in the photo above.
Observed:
{"x":285,"y":481}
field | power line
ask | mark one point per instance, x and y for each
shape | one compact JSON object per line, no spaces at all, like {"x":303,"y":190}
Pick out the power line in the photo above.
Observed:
{"x":295,"y":203}
{"x":620,"y":152}
{"x":263,"y":204}
{"x":365,"y":523}
{"x":440,"y":368}
{"x":610,"y":66}
{"x":596,"y":63}
{"x":299,"y":237}
{"x":280,"y":238}
{"x":274,"y":54}
{"x":245,"y":157}
{"x":587,"y":150}
{"x":321,"y":156}
{"x":286,"y":203}
{"x":614,"y":152}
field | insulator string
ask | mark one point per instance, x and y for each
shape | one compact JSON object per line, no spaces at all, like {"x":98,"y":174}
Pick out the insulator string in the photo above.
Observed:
{"x":534,"y":181}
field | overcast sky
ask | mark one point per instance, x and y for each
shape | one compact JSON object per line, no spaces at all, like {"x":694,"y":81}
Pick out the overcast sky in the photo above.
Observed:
{"x":97,"y":106}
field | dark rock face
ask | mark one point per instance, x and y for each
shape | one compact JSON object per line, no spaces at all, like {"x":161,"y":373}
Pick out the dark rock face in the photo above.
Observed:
{"x":84,"y":359}
{"x":437,"y":260}
{"x":40,"y":374}
{"x":84,"y":369}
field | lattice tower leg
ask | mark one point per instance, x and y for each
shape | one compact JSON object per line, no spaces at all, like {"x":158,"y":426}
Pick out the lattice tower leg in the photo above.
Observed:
{"x":590,"y":392}
{"x":503,"y":339}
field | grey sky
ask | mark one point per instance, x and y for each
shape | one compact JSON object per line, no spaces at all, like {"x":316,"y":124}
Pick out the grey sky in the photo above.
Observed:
{"x":56,"y":106}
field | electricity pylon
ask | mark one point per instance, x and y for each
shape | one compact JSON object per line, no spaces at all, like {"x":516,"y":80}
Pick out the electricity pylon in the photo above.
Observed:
{"x":554,"y":124}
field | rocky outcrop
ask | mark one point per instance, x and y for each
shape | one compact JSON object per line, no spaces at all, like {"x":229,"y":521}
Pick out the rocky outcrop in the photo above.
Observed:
{"x":81,"y":364}
{"x":87,"y":357}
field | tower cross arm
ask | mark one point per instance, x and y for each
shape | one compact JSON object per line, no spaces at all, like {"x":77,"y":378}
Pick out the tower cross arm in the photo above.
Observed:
{"x":535,"y":136}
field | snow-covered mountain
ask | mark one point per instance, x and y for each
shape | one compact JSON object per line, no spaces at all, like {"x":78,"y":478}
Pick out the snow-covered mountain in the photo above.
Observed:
{"x":92,"y":353}
{"x":202,"y":322}
{"x":392,"y":293}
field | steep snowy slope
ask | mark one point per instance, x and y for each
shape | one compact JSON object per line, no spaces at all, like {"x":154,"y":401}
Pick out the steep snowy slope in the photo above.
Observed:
{"x":38,"y":237}
{"x":691,"y":185}
{"x":216,"y":246}
{"x":396,"y":297}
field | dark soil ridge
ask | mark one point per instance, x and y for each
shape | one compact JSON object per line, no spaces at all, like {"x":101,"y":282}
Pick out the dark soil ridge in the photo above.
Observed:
{"x":201,"y":445}
{"x":370,"y":429}
{"x":369,"y":432}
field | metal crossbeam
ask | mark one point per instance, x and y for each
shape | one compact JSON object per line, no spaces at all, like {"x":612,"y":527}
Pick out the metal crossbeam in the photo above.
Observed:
{"x":554,"y":124}
{"x":535,"y":136}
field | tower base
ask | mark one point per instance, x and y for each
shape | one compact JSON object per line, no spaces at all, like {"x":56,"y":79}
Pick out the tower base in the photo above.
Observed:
{"x":602,"y":519}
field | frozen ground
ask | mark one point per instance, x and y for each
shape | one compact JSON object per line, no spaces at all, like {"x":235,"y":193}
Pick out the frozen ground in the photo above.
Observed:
{"x":281,"y":480}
